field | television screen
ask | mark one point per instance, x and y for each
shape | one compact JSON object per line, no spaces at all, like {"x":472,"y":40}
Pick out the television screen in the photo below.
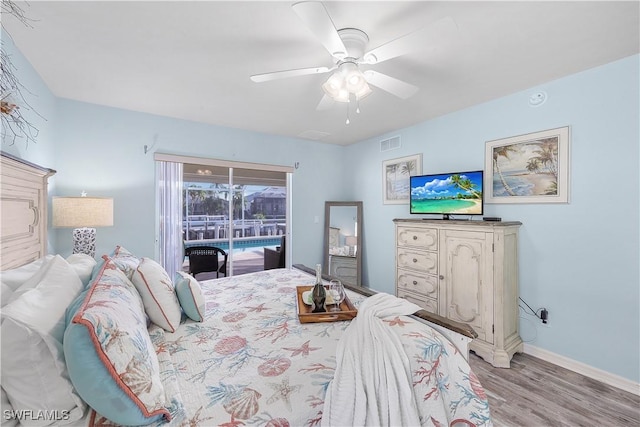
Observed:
{"x":447,"y":194}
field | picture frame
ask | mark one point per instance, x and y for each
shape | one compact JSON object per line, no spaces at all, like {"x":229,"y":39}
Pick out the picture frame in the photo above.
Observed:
{"x":395,"y":178}
{"x":529,"y":168}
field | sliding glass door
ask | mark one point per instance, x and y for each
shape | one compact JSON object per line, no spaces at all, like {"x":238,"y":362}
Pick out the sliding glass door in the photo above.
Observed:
{"x":238,"y":207}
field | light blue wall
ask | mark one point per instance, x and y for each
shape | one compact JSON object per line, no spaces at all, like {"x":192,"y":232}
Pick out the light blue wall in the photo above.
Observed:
{"x":579,"y":260}
{"x":39,"y":110}
{"x":101,"y":151}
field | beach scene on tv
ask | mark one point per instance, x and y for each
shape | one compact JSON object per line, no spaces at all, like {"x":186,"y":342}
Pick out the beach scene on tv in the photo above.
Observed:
{"x":451,"y":193}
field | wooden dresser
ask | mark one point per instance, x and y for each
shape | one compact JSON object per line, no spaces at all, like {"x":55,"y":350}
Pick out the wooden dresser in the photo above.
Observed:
{"x":344,"y":268}
{"x":466,"y":271}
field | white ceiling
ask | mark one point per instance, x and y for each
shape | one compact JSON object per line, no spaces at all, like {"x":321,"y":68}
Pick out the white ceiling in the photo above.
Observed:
{"x":192,"y":59}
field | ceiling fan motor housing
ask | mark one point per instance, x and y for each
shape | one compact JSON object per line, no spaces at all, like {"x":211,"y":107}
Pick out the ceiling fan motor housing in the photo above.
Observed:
{"x":355,"y":41}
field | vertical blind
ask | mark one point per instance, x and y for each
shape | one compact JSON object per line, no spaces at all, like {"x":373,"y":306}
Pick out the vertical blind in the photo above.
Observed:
{"x":169,"y":200}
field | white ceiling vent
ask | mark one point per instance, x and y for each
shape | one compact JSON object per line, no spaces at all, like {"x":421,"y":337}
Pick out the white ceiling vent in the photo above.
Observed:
{"x":390,"y":144}
{"x":314,"y":135}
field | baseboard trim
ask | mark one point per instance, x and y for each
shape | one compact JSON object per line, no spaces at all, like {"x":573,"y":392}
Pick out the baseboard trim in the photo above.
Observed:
{"x":584,"y":369}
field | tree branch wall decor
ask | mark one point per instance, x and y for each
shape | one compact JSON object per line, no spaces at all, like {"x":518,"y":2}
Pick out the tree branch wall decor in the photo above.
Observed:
{"x":14,"y":124}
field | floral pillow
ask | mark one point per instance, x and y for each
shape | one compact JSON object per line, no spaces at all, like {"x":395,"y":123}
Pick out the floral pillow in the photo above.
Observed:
{"x":110,"y":358}
{"x":125,"y":261}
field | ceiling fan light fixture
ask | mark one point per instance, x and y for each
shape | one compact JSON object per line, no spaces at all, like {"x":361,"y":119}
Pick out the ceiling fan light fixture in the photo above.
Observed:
{"x":343,"y":96}
{"x":363,"y":92}
{"x":355,"y":82}
{"x":333,"y":85}
{"x":346,"y":81}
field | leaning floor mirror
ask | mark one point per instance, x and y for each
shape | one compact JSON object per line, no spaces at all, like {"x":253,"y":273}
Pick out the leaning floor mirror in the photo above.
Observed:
{"x":343,"y":241}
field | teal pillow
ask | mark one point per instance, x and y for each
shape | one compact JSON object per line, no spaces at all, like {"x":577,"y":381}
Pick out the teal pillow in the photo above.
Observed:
{"x":109,"y":355}
{"x":190,"y":296}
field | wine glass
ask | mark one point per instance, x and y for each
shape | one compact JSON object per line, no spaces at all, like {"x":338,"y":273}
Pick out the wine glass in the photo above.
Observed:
{"x":336,"y":291}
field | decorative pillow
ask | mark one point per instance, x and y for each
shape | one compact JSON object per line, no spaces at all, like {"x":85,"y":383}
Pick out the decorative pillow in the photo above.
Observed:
{"x":33,"y":369}
{"x":125,"y":260}
{"x":111,"y":360}
{"x":83,"y":265}
{"x":190,"y":296}
{"x":158,"y":294}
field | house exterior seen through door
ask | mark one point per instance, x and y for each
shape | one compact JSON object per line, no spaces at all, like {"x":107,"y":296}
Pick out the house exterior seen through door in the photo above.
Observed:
{"x":236,"y":209}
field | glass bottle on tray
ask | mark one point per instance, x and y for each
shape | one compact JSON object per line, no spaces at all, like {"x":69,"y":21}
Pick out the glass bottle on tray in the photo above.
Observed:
{"x":318,"y":294}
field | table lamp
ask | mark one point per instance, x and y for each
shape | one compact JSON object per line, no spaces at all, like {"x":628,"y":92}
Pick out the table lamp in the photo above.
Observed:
{"x":83,"y":214}
{"x":352,"y":242}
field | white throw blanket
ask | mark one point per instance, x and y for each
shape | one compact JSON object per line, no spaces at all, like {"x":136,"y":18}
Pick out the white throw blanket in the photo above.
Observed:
{"x":372,"y":384}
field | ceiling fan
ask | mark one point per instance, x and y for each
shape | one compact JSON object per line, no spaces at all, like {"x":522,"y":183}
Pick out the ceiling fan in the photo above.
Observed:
{"x":348,"y":46}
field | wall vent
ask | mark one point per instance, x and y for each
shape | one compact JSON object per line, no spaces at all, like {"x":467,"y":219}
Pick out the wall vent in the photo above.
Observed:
{"x":390,"y":144}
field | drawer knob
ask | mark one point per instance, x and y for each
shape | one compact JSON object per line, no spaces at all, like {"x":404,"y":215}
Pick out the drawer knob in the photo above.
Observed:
{"x":415,"y":282}
{"x":415,"y":237}
{"x":415,"y":260}
{"x":441,"y":277}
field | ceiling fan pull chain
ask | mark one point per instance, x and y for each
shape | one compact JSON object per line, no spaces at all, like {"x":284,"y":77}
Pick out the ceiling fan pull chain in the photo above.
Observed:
{"x":348,"y":121}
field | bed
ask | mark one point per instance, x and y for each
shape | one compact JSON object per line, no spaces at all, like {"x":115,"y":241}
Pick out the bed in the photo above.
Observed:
{"x":121,"y":343}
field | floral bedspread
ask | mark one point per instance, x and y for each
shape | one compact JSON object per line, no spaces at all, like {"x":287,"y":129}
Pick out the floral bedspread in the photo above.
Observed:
{"x":251,"y":362}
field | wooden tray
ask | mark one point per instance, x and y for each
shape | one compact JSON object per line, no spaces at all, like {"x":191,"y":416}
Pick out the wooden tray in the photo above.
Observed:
{"x":347,"y":310}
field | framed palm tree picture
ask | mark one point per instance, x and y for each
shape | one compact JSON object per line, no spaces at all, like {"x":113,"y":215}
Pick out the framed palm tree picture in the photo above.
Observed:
{"x":395,"y":178}
{"x":531,"y":168}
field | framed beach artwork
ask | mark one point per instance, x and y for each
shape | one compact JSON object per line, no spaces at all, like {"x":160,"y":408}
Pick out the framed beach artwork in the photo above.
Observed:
{"x":395,"y":178}
{"x":531,"y":168}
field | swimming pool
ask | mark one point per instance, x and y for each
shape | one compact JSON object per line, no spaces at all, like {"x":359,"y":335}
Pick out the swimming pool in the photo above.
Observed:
{"x":238,"y":244}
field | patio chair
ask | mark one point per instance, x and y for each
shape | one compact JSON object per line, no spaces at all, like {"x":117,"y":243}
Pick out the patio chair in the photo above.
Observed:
{"x":205,"y":259}
{"x":275,"y":258}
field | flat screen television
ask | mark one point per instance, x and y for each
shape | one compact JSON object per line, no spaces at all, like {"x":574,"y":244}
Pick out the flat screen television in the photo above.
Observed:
{"x":458,"y":193}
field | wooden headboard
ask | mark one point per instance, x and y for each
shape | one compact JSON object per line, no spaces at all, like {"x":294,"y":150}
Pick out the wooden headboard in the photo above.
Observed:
{"x":23,"y":211}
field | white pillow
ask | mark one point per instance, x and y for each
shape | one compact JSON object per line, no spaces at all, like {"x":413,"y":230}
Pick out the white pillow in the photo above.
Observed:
{"x":83,"y":265}
{"x":6,"y":406}
{"x":158,"y":294}
{"x":34,"y":374}
{"x":5,"y":294}
{"x":17,"y":276}
{"x":33,"y":281}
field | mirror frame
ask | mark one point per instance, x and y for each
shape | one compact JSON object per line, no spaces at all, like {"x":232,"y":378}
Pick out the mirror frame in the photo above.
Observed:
{"x":327,"y":225}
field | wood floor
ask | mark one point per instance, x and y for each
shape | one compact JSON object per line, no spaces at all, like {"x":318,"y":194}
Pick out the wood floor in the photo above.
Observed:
{"x":538,"y":394}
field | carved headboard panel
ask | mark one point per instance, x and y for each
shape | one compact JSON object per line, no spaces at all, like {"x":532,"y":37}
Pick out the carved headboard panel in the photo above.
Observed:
{"x":23,"y":214}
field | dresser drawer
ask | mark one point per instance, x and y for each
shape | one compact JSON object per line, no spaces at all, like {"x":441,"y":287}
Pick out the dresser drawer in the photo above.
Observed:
{"x":424,"y":238}
{"x":426,"y":285}
{"x":429,"y":304}
{"x":423,"y":261}
{"x":344,"y":268}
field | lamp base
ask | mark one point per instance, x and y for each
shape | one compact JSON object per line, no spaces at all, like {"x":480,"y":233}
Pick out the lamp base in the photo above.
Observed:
{"x":84,"y":241}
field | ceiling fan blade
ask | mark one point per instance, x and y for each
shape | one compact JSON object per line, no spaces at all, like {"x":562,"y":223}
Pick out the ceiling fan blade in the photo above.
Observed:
{"x":325,"y":103}
{"x":408,"y":42}
{"x":314,"y":14}
{"x":390,"y":84}
{"x":259,"y":78}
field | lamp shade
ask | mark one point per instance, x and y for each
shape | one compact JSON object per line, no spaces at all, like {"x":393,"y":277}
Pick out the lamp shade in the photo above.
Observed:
{"x":79,"y":212}
{"x":351,"y":240}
